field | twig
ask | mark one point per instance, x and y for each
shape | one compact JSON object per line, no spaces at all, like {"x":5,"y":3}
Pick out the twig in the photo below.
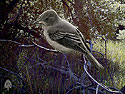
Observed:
{"x":70,"y":72}
{"x":99,"y":84}
{"x":73,"y":89}
{"x":29,"y":45}
{"x":51,"y":67}
{"x":97,"y":89}
{"x":11,"y":72}
{"x":3,"y":40}
{"x":18,"y":43}
{"x":46,"y":66}
{"x":51,"y":50}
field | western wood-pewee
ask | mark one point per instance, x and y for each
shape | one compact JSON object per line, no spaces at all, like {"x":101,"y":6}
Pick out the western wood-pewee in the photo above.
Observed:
{"x":63,"y":36}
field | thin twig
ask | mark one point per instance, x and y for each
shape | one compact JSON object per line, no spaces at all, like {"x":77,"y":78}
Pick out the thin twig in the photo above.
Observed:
{"x":51,"y":50}
{"x":3,"y":40}
{"x":29,"y":45}
{"x":12,"y":72}
{"x":97,"y":89}
{"x":72,"y":89}
{"x":70,"y":72}
{"x":101,"y":85}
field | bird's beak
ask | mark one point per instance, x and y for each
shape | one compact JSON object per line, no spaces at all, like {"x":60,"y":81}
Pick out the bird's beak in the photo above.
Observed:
{"x":39,"y":22}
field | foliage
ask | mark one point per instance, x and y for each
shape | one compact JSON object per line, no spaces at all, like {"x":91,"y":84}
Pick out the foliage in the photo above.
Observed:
{"x":121,"y":34}
{"x":23,"y":65}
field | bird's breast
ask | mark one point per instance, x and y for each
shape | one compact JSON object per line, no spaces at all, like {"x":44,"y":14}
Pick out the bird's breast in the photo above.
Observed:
{"x":56,"y":45}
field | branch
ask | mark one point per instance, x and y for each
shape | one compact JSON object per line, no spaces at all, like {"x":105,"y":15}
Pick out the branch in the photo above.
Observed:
{"x":62,"y":71}
{"x":70,"y":72}
{"x":18,"y":43}
{"x":69,"y":92}
{"x":12,"y":72}
{"x":99,"y":84}
{"x":51,"y":50}
{"x":30,"y":45}
{"x":48,"y":67}
{"x":97,"y":89}
{"x":3,"y":40}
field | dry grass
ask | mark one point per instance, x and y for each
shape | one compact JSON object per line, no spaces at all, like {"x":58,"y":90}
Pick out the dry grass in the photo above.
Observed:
{"x":116,"y":55}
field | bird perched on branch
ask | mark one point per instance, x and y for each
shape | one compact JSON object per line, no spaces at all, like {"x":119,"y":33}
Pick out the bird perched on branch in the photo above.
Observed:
{"x":63,"y":36}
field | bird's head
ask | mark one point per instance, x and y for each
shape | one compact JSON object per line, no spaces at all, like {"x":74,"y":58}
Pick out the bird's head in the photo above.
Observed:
{"x":48,"y":18}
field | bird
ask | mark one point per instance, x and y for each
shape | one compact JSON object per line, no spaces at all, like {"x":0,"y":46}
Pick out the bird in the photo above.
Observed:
{"x":63,"y":36}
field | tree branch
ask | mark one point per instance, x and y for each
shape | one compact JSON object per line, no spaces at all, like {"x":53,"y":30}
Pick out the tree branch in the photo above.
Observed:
{"x":98,"y":84}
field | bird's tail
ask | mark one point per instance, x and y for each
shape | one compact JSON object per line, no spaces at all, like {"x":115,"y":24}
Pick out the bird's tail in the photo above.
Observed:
{"x":92,"y":59}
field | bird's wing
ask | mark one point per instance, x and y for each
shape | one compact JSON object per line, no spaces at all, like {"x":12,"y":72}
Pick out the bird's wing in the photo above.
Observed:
{"x":83,"y":39}
{"x":70,"y":40}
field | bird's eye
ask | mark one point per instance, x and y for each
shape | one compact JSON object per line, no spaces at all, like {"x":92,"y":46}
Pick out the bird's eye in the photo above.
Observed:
{"x":46,"y":18}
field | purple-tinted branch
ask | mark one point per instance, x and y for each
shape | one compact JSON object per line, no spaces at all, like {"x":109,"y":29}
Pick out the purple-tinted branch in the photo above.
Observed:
{"x":67,"y":72}
{"x":23,"y":45}
{"x":11,"y":72}
{"x":24,"y":62}
{"x":2,"y":40}
{"x":47,"y":49}
{"x":50,"y":67}
{"x":45,"y":62}
{"x":46,"y":66}
{"x":70,"y":72}
{"x":82,"y":77}
{"x":97,"y":89}
{"x":99,"y":84}
{"x":34,"y":44}
{"x":69,"y":92}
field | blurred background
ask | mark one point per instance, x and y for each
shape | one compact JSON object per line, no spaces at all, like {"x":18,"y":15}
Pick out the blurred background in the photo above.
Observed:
{"x":33,"y":70}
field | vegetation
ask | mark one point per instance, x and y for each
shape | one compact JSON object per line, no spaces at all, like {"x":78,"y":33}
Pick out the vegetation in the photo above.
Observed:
{"x":115,"y":54}
{"x":34,"y":70}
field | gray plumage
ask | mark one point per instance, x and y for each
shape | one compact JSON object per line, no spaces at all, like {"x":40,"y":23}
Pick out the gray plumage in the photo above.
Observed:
{"x":64,"y":37}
